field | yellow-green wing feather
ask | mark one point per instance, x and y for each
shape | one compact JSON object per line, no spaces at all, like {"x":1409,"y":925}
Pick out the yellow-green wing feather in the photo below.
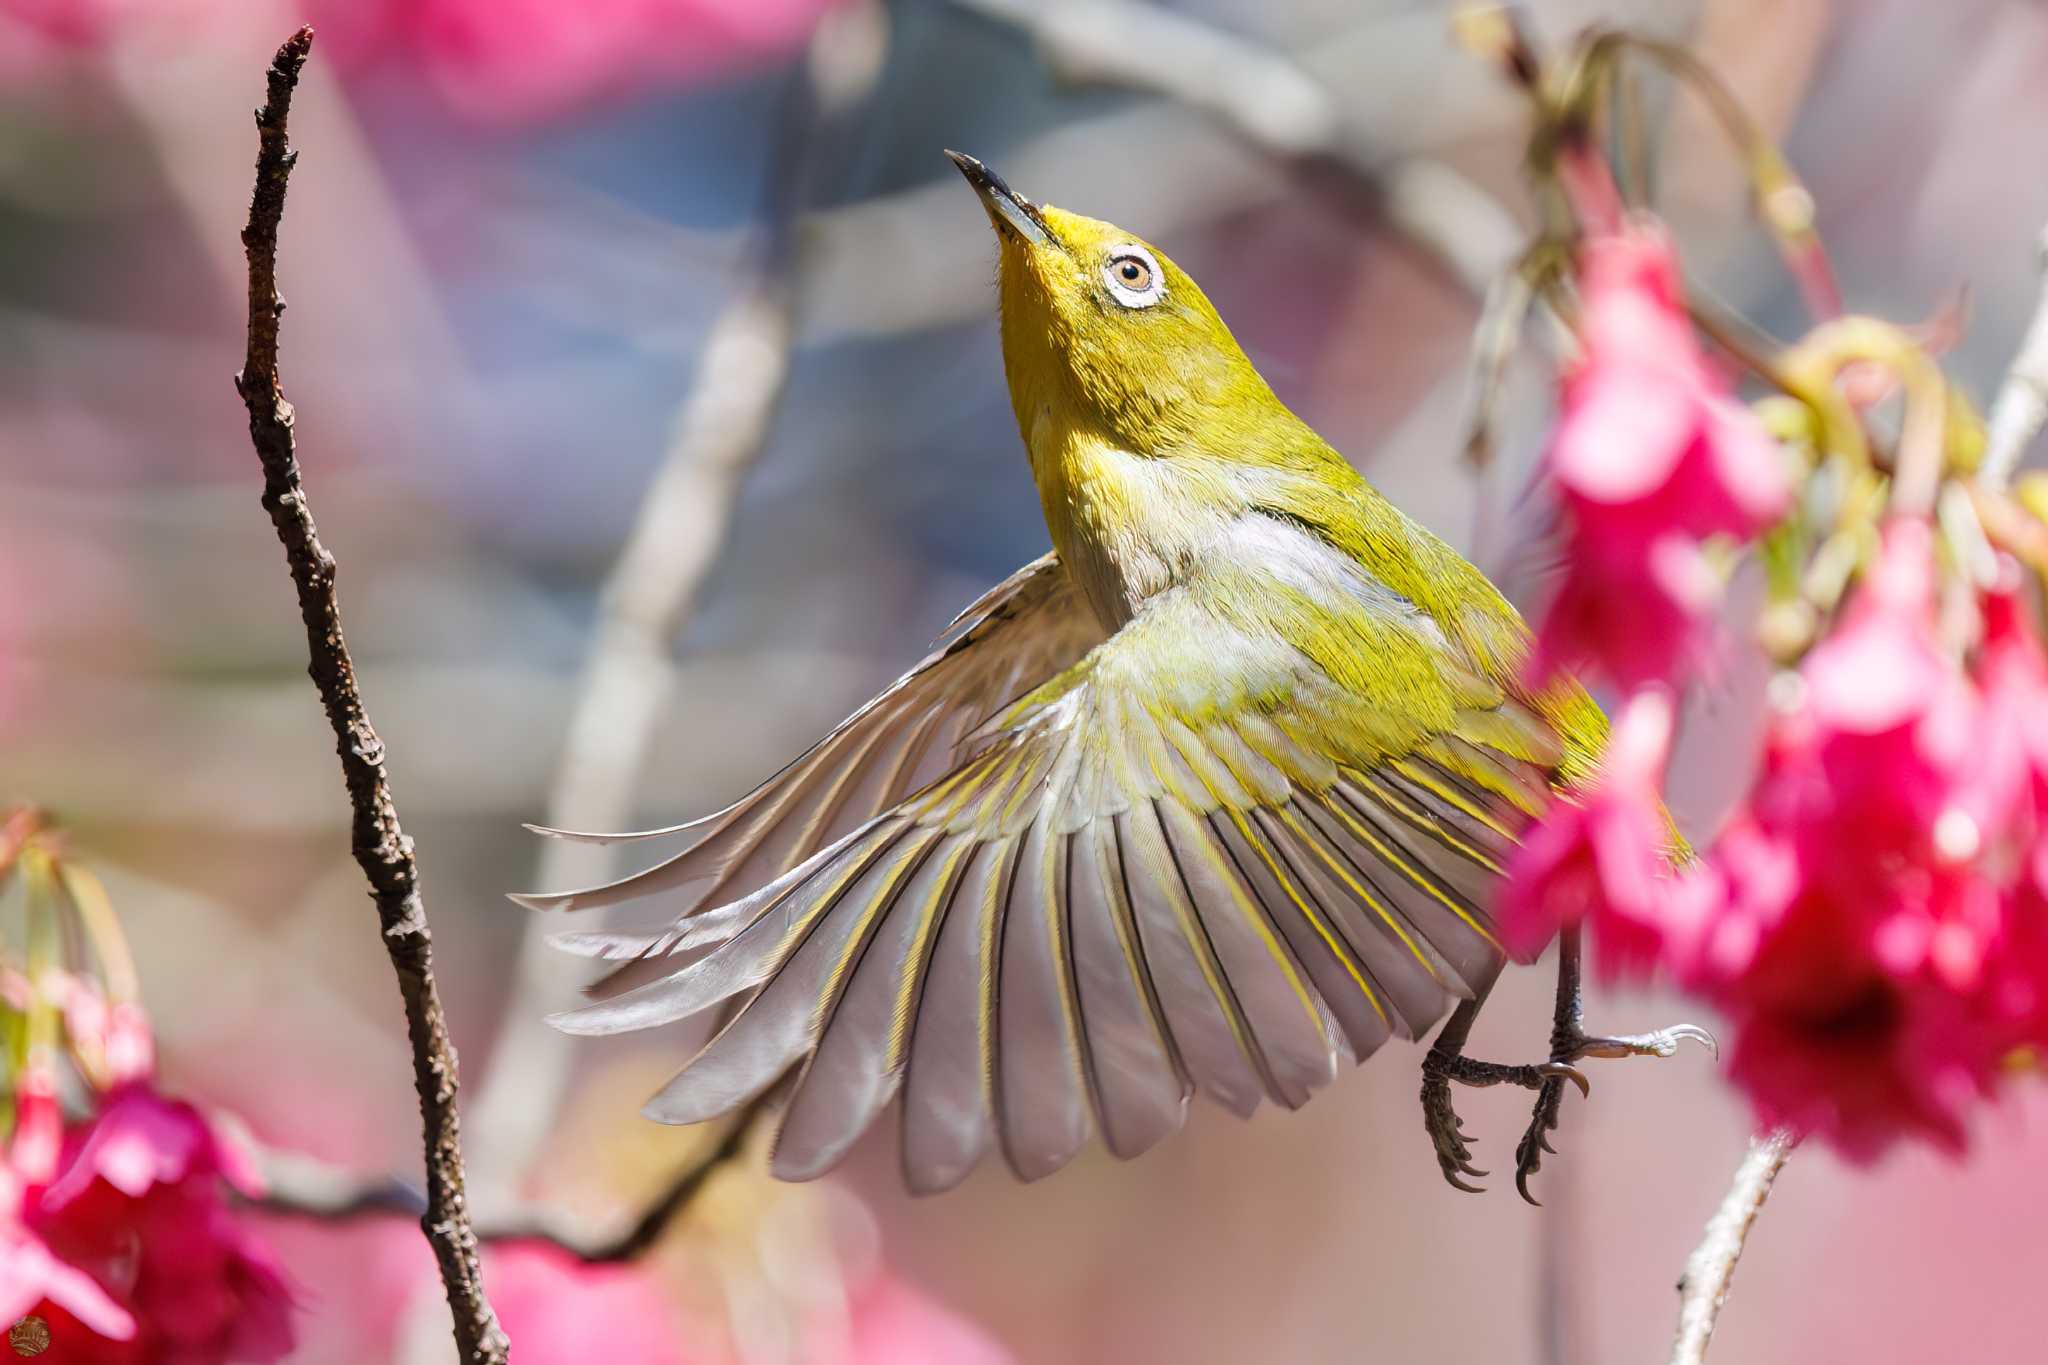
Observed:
{"x":1209,"y":855}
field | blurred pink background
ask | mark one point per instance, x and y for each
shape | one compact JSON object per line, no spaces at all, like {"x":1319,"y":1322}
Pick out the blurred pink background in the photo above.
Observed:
{"x":509,"y":231}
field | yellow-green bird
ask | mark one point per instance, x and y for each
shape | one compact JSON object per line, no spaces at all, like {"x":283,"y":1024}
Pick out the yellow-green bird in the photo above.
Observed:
{"x":1212,"y":798}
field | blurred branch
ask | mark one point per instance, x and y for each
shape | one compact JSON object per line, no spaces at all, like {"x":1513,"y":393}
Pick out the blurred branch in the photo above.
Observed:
{"x":1268,"y":99}
{"x":380,"y":845}
{"x":624,"y":1244}
{"x":2022,"y":403}
{"x":1711,"y":1267}
{"x":652,"y":591}
{"x":305,"y":1187}
{"x":876,"y":267}
{"x":1257,"y":92}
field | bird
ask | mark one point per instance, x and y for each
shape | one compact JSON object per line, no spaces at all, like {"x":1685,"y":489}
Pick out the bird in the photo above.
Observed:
{"x":1211,"y":799}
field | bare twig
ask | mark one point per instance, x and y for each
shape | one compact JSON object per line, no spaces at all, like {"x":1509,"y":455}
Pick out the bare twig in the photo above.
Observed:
{"x":380,"y":845}
{"x":626,"y":1243}
{"x":306,"y":1187}
{"x":299,"y":1186}
{"x":1704,"y":1286}
{"x":721,"y":427}
{"x":2022,"y":403}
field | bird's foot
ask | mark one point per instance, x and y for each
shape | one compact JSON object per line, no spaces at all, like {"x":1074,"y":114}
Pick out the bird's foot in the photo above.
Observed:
{"x":1446,"y":1132}
{"x":1570,"y":1044}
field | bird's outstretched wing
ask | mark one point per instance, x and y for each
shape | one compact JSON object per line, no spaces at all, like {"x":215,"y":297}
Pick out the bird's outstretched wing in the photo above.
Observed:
{"x":1201,"y":858}
{"x":1021,"y":632}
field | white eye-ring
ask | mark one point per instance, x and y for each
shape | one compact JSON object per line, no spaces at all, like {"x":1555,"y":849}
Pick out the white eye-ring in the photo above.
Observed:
{"x":1134,"y":277}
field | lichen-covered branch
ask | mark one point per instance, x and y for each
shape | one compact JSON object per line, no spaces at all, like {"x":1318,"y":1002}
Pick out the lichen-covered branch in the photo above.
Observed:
{"x":379,"y":843}
{"x":1711,"y":1267}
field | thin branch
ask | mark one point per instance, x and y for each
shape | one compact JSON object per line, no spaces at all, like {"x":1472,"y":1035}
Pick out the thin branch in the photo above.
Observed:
{"x":626,"y":1243}
{"x":1711,"y":1267}
{"x":298,"y":1186}
{"x":302,"y":1186}
{"x":720,"y":429}
{"x":380,"y":845}
{"x":2021,"y":407}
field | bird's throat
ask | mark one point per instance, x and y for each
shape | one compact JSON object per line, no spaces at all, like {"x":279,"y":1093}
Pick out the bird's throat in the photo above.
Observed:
{"x":1126,"y":526}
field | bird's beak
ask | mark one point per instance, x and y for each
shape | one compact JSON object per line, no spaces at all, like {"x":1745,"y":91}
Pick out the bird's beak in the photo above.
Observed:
{"x":1007,"y":209}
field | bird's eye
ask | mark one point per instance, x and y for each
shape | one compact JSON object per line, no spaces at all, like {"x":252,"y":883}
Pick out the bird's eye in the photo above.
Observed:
{"x":1133,"y":277}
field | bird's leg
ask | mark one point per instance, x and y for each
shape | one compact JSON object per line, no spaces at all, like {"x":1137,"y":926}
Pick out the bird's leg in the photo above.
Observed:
{"x":1569,"y":1042}
{"x":1447,"y":1062}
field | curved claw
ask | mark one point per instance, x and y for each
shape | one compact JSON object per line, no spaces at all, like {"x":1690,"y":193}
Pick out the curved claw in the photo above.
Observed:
{"x":1458,"y":1184}
{"x":1565,"y":1071}
{"x":1522,"y":1188}
{"x":1680,"y":1032}
{"x":1662,"y":1043}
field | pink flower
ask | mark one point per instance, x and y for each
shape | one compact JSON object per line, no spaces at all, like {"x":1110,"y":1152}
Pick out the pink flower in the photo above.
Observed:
{"x":560,"y":1311}
{"x":1873,"y":1060}
{"x":140,"y":1140}
{"x":1863,"y":946}
{"x":2009,"y":786}
{"x":1651,"y":457}
{"x":1606,"y":859}
{"x":33,"y":1277}
{"x":138,"y":1204}
{"x":38,"y":1124}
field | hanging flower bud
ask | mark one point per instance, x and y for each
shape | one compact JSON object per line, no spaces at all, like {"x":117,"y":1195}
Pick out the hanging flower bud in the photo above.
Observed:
{"x":1651,"y":456}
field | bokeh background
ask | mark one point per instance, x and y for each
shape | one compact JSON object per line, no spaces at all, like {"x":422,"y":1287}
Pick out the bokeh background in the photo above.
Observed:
{"x":512,"y":231}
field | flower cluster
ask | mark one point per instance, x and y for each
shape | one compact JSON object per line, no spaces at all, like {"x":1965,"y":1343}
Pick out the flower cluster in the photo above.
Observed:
{"x":1870,"y":919}
{"x":116,"y":1234}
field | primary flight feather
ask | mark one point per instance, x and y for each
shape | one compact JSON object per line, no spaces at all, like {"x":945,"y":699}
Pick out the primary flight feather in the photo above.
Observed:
{"x":1212,"y":798}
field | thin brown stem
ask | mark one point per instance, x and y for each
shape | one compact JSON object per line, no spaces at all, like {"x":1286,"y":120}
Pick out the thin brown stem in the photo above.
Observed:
{"x":379,"y":843}
{"x":1711,"y":1267}
{"x":297,"y":1186}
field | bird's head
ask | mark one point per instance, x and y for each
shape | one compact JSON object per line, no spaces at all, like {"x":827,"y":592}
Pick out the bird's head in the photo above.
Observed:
{"x":1102,"y":332}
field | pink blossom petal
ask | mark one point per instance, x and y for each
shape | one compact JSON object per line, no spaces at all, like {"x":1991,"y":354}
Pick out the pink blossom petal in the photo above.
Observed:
{"x":30,"y":1273}
{"x":1651,"y":456}
{"x":1624,"y":433}
{"x":140,"y":1139}
{"x":1606,"y":858}
{"x":1748,"y":464}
